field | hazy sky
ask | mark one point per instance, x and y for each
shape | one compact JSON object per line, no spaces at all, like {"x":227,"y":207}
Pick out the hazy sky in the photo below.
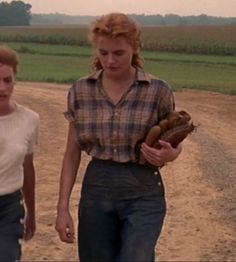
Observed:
{"x":226,"y":8}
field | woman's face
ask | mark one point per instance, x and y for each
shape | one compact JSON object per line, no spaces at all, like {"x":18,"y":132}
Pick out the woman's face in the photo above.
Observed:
{"x":7,"y":80}
{"x":115,"y":55}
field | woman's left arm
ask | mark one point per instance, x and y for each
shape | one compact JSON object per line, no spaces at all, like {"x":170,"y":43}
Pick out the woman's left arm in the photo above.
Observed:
{"x":29,"y":196}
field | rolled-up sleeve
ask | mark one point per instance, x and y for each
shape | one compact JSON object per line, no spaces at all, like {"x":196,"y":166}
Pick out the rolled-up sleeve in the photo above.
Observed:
{"x":167,"y":101}
{"x":70,"y":112}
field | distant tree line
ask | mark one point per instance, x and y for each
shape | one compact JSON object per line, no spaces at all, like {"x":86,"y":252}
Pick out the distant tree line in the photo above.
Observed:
{"x":176,"y":20}
{"x":15,"y":13}
{"x":18,"y":13}
{"x":143,"y":20}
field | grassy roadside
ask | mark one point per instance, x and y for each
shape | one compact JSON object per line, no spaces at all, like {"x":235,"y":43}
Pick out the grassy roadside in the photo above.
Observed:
{"x":64,"y":64}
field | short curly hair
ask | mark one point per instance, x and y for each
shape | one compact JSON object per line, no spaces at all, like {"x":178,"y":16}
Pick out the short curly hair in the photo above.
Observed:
{"x":9,"y":57}
{"x":117,"y":25}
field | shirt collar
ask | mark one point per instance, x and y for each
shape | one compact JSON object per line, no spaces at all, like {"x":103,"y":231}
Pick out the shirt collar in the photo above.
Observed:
{"x":141,"y":75}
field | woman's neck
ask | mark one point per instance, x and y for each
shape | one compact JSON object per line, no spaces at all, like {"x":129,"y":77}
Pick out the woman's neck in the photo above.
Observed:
{"x":126,"y":77}
{"x":117,"y":87}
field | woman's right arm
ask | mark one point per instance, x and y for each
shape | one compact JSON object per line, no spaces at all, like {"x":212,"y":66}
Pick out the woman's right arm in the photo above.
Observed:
{"x":71,"y":161}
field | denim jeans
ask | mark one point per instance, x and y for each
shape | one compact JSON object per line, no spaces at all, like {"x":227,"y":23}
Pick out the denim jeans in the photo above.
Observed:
{"x":11,"y":227}
{"x":121,"y":212}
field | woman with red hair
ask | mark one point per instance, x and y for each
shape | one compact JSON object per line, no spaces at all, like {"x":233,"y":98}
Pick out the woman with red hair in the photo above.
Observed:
{"x":122,"y":205}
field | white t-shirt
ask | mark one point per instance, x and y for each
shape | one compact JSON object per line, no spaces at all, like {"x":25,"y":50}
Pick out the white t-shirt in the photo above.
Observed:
{"x":18,"y":135}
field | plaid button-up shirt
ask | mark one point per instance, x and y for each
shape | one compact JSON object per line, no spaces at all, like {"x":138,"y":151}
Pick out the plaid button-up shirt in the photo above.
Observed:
{"x":110,"y":131}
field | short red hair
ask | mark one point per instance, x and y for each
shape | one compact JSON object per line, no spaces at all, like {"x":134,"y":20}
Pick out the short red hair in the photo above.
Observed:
{"x":117,"y":25}
{"x":9,"y":57}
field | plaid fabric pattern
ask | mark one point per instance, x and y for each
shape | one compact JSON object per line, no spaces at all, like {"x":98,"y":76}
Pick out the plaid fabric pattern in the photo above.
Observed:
{"x":111,"y":131}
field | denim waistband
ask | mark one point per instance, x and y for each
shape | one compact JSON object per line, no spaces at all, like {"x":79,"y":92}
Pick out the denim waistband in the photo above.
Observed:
{"x":9,"y":196}
{"x":110,"y":162}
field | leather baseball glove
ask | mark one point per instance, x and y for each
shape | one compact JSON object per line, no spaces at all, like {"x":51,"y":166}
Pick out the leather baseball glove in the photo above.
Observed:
{"x":173,"y":129}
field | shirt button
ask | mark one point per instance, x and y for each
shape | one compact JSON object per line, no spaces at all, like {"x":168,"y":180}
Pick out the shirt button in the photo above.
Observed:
{"x":155,"y":173}
{"x":115,"y":150}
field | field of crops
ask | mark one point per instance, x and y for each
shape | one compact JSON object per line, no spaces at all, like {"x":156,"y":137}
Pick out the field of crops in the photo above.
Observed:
{"x":215,"y":40}
{"x":187,"y":57}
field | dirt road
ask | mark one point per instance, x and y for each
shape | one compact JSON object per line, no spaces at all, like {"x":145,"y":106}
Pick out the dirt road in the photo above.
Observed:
{"x":200,"y":186}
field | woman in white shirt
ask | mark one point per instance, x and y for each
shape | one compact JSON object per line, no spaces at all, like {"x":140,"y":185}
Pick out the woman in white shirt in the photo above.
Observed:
{"x":18,"y":135}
